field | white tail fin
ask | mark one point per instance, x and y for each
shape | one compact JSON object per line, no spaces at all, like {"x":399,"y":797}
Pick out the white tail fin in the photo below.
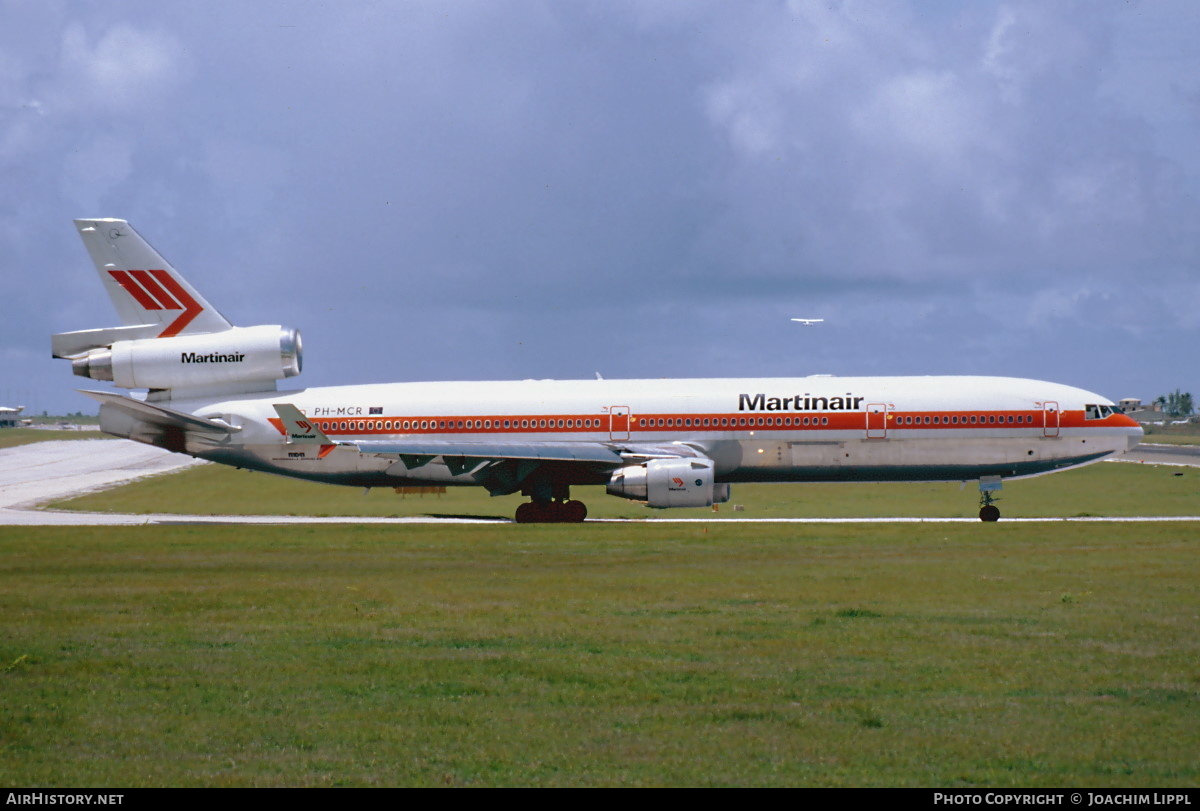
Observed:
{"x":143,"y":286}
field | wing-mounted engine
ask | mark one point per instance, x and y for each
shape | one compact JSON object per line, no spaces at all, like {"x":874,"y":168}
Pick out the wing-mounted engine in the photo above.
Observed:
{"x":669,"y":483}
{"x":240,"y":358}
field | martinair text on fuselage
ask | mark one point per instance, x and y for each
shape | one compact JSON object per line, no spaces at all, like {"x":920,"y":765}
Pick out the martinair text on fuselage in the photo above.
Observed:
{"x":211,"y":391}
{"x":799,"y":402}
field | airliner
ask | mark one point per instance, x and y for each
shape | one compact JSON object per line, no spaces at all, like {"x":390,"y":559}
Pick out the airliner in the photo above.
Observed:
{"x":211,"y":391}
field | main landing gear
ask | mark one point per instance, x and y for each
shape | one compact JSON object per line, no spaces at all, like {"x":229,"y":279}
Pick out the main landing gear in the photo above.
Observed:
{"x":551,"y":512}
{"x":550,"y":503}
{"x":988,"y":511}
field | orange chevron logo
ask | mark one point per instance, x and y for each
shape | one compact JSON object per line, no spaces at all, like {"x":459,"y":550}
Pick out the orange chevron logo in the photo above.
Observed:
{"x":158,"y":290}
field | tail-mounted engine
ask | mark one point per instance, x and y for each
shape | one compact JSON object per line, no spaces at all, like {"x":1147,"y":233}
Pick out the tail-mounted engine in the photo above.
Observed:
{"x":669,"y":483}
{"x":235,"y":358}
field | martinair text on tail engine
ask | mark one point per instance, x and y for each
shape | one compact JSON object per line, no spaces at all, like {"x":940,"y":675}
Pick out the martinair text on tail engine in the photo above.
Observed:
{"x":211,"y":391}
{"x":211,"y":357}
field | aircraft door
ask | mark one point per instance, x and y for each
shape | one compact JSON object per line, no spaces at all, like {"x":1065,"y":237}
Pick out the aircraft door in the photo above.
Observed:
{"x":618,"y":422}
{"x":1050,"y":415}
{"x":876,"y":421}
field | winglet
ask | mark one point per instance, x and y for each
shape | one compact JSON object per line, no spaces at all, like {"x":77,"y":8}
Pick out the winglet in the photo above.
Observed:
{"x":300,"y":429}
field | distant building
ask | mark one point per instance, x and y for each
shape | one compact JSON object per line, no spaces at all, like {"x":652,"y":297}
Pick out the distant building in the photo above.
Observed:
{"x":10,"y":417}
{"x":1127,"y":404}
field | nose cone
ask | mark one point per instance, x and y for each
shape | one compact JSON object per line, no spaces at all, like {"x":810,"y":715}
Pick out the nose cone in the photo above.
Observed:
{"x":1133,"y":430}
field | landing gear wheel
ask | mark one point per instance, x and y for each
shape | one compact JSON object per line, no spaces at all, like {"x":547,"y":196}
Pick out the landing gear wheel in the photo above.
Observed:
{"x":531,"y":513}
{"x":551,"y":512}
{"x":573,"y":512}
{"x":988,"y":486}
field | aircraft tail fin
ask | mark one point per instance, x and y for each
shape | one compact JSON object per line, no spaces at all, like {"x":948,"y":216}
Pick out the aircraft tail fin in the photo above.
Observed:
{"x":145,"y":290}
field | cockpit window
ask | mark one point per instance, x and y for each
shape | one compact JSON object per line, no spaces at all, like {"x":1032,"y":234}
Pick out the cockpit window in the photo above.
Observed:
{"x":1098,"y":412}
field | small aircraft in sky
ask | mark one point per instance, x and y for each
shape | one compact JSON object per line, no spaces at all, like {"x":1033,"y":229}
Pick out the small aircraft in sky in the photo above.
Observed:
{"x":808,"y":322}
{"x":211,"y":392}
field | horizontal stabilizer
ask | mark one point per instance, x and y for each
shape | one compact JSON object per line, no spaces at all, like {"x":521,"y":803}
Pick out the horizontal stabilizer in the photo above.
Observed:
{"x":80,"y":342}
{"x":158,"y":416}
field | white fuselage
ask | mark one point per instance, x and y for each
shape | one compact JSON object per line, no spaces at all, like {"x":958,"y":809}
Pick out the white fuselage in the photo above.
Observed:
{"x":757,"y":429}
{"x":666,"y":443}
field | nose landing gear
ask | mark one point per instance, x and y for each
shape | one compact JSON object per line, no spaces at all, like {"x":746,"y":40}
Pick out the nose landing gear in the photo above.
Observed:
{"x":988,"y":511}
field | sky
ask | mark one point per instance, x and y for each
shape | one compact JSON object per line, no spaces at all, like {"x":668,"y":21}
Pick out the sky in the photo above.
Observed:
{"x":509,"y":190}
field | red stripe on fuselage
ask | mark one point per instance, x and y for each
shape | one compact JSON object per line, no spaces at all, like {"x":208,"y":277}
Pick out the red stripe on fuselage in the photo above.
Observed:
{"x":676,"y":425}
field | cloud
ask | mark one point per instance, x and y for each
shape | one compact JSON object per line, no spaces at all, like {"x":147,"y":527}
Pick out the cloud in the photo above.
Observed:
{"x":95,"y":168}
{"x":944,"y":182}
{"x":125,"y":69}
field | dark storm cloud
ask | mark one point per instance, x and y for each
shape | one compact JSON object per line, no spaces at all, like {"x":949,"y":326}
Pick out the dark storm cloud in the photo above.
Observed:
{"x":490,"y":190}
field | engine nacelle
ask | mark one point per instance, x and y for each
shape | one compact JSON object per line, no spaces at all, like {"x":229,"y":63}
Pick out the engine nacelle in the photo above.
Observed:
{"x":236,"y":356}
{"x":669,"y":483}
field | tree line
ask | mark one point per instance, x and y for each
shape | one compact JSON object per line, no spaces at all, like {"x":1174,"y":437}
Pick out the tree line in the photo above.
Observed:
{"x":1176,"y":404}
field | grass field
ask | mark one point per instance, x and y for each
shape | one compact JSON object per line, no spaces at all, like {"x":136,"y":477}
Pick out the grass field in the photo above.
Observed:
{"x":1173,"y":439}
{"x":1106,"y":489}
{"x":632,"y":654}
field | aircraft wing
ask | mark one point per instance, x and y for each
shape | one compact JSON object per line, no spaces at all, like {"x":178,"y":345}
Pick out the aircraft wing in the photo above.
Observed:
{"x":608,"y":453}
{"x":502,"y":466}
{"x":428,"y":450}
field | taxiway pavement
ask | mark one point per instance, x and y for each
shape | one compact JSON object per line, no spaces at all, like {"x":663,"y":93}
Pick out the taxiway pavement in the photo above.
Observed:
{"x":31,"y":475}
